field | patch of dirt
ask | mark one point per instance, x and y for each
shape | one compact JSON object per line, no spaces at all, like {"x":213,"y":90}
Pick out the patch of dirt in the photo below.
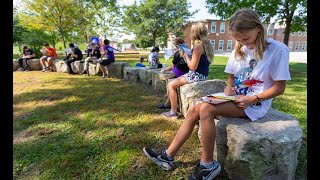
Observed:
{"x":27,"y":135}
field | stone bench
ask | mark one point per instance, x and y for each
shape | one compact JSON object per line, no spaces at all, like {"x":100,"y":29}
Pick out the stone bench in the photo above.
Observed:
{"x":115,"y":69}
{"x":131,"y":74}
{"x":152,"y":77}
{"x":34,"y":64}
{"x":264,"y":149}
{"x":188,"y":94}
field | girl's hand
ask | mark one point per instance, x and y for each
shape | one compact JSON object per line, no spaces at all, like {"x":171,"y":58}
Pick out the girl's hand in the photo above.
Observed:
{"x":229,"y":91}
{"x":243,"y":102}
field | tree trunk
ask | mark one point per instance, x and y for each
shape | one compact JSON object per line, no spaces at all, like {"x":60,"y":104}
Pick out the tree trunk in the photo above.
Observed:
{"x":287,"y":29}
{"x":154,"y":39}
{"x":53,"y":41}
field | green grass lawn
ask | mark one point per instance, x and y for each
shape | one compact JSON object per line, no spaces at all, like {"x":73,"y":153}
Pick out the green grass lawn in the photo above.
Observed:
{"x":86,"y":127}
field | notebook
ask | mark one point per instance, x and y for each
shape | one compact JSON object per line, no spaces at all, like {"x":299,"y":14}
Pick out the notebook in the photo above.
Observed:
{"x":217,"y":98}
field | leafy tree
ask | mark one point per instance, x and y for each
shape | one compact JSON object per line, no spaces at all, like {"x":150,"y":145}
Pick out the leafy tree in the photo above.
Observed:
{"x":153,"y":19}
{"x":283,"y":9}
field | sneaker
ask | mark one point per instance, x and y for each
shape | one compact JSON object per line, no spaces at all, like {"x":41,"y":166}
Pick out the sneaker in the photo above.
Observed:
{"x":27,"y":69}
{"x":21,"y":69}
{"x":169,"y":115}
{"x":201,"y":172}
{"x":104,"y":76}
{"x":163,"y":106}
{"x":44,"y":69}
{"x":159,"y":157}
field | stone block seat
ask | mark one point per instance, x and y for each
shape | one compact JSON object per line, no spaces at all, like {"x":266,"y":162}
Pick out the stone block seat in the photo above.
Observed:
{"x":149,"y":76}
{"x":115,"y":69}
{"x":264,"y":149}
{"x":34,"y":64}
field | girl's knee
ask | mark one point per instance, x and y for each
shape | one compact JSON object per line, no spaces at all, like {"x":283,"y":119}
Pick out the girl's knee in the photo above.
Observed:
{"x":207,"y":109}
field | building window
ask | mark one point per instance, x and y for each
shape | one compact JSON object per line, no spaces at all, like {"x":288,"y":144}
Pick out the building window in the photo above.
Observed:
{"x":299,"y":33}
{"x":222,"y":27}
{"x":213,"y":27}
{"x":305,"y":33}
{"x":303,"y":46}
{"x":212,"y":44}
{"x":270,"y":30}
{"x":221,"y":42}
{"x":229,"y":47}
{"x":293,"y":33}
{"x":297,"y":46}
{"x":290,"y":45}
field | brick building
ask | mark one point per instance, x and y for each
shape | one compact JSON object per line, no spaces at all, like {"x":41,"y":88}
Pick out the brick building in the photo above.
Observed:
{"x":221,"y":40}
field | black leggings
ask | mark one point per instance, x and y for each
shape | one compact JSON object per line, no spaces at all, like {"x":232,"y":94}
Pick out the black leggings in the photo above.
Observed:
{"x":69,"y":64}
{"x":21,"y":61}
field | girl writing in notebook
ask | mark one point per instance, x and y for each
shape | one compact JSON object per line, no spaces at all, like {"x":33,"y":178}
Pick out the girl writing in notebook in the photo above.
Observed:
{"x":202,"y":54}
{"x":255,"y":85}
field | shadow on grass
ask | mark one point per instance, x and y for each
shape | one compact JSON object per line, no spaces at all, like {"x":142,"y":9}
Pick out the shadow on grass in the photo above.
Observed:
{"x":84,"y":120}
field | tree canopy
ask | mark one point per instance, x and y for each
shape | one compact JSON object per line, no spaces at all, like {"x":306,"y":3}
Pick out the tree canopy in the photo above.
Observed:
{"x":291,"y":12}
{"x":154,"y":19}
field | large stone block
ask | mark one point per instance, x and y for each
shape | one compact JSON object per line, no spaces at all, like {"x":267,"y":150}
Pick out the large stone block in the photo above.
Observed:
{"x":145,"y":75}
{"x":94,"y":69}
{"x":61,"y":66}
{"x":116,"y":69}
{"x":159,"y":80}
{"x":34,"y":64}
{"x":131,"y":74}
{"x":264,"y":149}
{"x":189,"y":93}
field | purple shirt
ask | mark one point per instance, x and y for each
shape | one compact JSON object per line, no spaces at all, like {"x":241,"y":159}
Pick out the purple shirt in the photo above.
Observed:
{"x":110,"y":54}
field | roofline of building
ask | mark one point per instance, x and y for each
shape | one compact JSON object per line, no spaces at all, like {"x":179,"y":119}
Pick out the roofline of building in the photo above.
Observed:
{"x":201,"y":20}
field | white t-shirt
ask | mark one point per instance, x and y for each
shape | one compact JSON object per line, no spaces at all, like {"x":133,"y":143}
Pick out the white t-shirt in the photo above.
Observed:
{"x":254,"y":79}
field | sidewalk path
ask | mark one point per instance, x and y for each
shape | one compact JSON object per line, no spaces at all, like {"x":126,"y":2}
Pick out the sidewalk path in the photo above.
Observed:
{"x":300,"y":57}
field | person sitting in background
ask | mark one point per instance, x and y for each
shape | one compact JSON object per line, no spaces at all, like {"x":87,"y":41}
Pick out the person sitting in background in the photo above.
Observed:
{"x":49,"y":54}
{"x":179,"y":67}
{"x":139,"y":64}
{"x":76,"y":56}
{"x":92,"y":56}
{"x":153,"y":58}
{"x":109,"y":53}
{"x":26,"y":55}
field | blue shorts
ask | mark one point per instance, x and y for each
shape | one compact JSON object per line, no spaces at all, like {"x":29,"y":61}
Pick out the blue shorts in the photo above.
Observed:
{"x":106,"y":61}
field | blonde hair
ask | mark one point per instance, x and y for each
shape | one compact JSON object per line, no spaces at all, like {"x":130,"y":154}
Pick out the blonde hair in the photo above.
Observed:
{"x":244,"y":20}
{"x":199,"y":35}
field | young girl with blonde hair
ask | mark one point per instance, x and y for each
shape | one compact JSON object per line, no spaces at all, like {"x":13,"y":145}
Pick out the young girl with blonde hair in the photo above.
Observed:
{"x":202,"y":54}
{"x":254,"y":87}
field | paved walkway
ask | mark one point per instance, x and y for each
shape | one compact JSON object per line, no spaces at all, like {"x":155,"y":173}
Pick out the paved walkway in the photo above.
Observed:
{"x":300,"y":57}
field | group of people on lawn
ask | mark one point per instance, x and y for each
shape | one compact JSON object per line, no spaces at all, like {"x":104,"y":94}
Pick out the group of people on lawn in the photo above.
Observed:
{"x":75,"y":54}
{"x":262,"y":61}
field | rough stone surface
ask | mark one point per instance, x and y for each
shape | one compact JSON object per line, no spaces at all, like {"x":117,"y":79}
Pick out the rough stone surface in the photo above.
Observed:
{"x":94,"y":69}
{"x":188,"y":93}
{"x":77,"y":66}
{"x":264,"y":149}
{"x":131,"y":74}
{"x":145,"y":75}
{"x":61,"y":66}
{"x":34,"y":64}
{"x":159,"y":80}
{"x":116,"y":69}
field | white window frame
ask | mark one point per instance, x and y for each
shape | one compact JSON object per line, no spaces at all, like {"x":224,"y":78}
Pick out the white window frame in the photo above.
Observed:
{"x":293,"y":33}
{"x":222,"y":44}
{"x":224,"y":27}
{"x":303,"y":46}
{"x":214,"y":43}
{"x":297,"y":44}
{"x":299,"y":33}
{"x":290,"y":45}
{"x":215,"y":27}
{"x":228,"y":45}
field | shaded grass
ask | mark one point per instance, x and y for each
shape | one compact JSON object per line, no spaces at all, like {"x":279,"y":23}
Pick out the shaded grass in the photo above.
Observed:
{"x":67,"y":127}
